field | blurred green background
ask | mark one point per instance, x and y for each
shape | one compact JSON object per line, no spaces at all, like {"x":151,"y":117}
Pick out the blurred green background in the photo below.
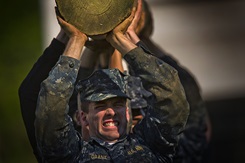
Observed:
{"x":20,"y":46}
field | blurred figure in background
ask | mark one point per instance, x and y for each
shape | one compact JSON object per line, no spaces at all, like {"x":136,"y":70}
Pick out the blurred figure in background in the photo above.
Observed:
{"x":194,"y":141}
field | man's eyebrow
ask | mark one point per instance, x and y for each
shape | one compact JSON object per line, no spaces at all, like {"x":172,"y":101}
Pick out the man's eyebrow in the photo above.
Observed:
{"x":120,"y":100}
{"x":99,"y":102}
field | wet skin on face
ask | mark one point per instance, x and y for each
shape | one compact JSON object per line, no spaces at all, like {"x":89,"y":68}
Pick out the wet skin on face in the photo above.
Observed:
{"x":107,"y":119}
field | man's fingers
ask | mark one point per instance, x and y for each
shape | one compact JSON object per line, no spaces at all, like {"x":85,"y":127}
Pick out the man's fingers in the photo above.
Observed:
{"x":125,"y":24}
{"x":133,"y":13}
{"x":139,"y":9}
{"x":57,"y":12}
{"x":60,"y":21}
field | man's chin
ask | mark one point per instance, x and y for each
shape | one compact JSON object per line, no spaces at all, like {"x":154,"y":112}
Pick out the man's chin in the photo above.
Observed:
{"x":111,"y":136}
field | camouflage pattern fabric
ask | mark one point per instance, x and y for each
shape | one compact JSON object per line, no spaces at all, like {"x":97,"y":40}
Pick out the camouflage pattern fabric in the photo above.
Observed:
{"x":102,"y":84}
{"x":154,"y":139}
{"x":137,"y":93}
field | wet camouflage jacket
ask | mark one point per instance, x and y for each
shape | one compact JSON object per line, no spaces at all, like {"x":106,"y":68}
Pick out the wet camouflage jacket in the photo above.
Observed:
{"x":153,"y":140}
{"x":193,"y":143}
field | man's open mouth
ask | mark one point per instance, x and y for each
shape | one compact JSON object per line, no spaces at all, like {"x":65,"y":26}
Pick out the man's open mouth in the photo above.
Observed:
{"x":110,"y":124}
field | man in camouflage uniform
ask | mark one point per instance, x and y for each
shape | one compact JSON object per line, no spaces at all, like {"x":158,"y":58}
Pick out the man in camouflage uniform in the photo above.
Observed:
{"x":153,"y":140}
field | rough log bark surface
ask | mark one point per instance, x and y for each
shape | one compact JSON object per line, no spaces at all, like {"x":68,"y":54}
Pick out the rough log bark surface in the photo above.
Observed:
{"x":94,"y":17}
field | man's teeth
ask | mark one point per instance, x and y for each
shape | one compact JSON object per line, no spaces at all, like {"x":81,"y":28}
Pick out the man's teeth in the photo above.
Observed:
{"x":111,"y":124}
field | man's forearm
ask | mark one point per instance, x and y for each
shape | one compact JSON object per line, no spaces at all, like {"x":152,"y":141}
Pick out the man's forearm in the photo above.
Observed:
{"x":74,"y":47}
{"x":52,"y":119}
{"x":29,"y":88}
{"x":162,"y":80}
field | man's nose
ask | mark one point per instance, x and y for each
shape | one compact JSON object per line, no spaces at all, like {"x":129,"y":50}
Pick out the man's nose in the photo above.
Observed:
{"x":110,"y":111}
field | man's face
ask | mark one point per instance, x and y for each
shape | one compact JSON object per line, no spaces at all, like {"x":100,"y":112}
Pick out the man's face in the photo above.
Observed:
{"x":108,"y":119}
{"x":136,"y":116}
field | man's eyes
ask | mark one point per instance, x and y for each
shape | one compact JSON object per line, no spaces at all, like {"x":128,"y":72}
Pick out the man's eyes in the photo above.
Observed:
{"x":116,"y":105}
{"x":120,"y":104}
{"x":99,"y":107}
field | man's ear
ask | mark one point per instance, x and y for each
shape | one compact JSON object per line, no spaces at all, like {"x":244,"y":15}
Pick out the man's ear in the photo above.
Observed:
{"x":129,"y":119}
{"x":77,"y":118}
{"x":128,"y":114}
{"x":83,"y":118}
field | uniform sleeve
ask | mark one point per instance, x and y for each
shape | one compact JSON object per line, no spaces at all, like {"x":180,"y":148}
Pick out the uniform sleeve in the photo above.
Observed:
{"x":29,"y":88}
{"x":168,"y":108}
{"x":55,"y":133}
{"x":193,"y":141}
